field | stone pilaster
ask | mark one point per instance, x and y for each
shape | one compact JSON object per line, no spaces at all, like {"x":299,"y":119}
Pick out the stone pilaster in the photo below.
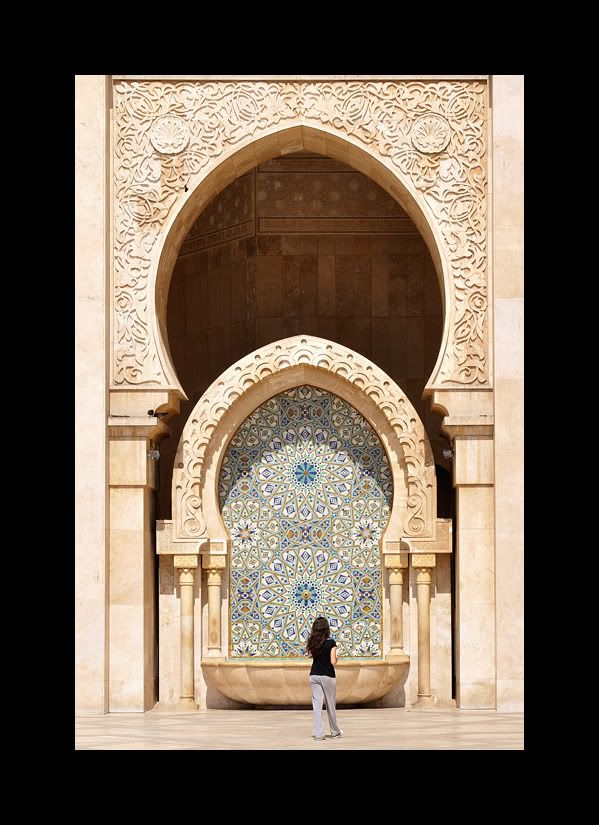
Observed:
{"x":132,"y":642}
{"x":134,"y":434}
{"x":92,"y":276}
{"x":473,"y":478}
{"x":508,"y":349}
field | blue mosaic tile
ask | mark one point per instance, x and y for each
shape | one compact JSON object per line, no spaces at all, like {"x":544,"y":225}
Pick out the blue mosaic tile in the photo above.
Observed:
{"x":305,"y":489}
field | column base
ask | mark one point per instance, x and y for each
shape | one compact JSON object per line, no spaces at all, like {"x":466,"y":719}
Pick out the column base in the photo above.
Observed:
{"x":424,"y":702}
{"x":186,"y":704}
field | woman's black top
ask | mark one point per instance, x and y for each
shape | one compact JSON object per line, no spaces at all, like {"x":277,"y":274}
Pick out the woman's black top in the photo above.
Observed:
{"x":321,"y":664}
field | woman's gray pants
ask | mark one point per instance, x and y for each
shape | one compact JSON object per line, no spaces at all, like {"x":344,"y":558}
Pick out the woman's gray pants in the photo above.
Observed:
{"x":323,"y":687}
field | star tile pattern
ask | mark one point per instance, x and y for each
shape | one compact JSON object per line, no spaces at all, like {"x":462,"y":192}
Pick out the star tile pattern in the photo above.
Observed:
{"x":305,"y":490}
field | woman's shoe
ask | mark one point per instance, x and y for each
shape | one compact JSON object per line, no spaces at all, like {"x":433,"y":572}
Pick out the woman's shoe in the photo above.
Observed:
{"x":337,"y":735}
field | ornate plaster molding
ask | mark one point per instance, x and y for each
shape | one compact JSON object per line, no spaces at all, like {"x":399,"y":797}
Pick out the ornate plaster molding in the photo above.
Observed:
{"x":169,"y":135}
{"x":189,"y":473}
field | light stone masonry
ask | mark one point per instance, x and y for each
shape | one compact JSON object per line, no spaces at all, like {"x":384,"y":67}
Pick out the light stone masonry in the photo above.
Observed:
{"x":151,"y":154}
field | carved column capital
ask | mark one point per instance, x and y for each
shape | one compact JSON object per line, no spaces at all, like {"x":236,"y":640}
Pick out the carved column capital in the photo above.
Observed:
{"x":396,"y":564}
{"x":186,"y":566}
{"x":214,"y":565}
{"x":396,"y":560}
{"x":213,"y":562}
{"x":187,"y":562}
{"x":422,"y":563}
{"x":213,"y":576}
{"x":423,"y":560}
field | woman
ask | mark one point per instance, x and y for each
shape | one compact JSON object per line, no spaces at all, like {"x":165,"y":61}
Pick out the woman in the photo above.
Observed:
{"x":322,"y":676}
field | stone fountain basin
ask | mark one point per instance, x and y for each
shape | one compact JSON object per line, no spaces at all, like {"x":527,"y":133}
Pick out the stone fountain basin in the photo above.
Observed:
{"x":285,"y":681}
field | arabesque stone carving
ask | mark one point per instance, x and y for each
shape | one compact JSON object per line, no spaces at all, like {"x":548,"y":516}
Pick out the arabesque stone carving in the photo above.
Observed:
{"x":188,"y":475}
{"x":170,"y":134}
{"x":430,"y":134}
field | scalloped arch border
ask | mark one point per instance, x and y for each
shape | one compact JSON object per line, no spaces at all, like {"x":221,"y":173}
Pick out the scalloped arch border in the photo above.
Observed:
{"x":270,"y":370}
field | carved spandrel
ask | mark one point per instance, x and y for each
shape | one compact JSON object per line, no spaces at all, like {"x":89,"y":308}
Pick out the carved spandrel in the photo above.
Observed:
{"x":167,"y":134}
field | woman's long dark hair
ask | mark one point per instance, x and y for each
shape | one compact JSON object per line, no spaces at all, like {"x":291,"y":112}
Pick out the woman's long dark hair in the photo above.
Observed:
{"x":320,"y":633}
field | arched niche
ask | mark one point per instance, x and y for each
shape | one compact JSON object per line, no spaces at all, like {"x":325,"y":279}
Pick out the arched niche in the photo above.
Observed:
{"x":270,"y":370}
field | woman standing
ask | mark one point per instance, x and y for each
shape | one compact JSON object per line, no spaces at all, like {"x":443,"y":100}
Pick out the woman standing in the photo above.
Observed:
{"x":322,"y":676}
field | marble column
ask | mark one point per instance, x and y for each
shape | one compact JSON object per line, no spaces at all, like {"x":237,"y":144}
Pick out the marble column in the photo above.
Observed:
{"x":214,"y":565}
{"x":423,"y":563}
{"x":396,"y":565}
{"x":186,"y":566}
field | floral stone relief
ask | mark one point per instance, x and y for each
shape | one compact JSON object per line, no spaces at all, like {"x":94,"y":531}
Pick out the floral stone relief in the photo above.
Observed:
{"x":169,"y":134}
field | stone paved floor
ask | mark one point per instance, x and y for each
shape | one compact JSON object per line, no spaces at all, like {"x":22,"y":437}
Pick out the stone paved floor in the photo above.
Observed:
{"x":382,"y":729}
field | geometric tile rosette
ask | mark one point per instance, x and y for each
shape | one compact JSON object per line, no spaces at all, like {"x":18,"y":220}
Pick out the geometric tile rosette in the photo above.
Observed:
{"x":305,"y":490}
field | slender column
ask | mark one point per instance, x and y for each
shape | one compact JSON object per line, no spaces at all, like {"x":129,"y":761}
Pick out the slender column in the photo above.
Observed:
{"x":186,"y":566}
{"x":423,"y":563}
{"x":214,"y":565}
{"x":396,"y":564}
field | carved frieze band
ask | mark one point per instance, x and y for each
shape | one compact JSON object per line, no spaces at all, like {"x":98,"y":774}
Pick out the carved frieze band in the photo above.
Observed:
{"x":169,"y":133}
{"x":188,"y":475}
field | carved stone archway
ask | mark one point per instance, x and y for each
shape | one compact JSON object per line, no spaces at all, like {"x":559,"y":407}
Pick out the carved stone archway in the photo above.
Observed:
{"x":198,"y":538}
{"x":303,"y":359}
{"x":177,"y":144}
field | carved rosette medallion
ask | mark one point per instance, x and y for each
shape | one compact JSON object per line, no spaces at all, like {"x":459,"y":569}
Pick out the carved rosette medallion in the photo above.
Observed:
{"x":169,"y":135}
{"x":430,"y":133}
